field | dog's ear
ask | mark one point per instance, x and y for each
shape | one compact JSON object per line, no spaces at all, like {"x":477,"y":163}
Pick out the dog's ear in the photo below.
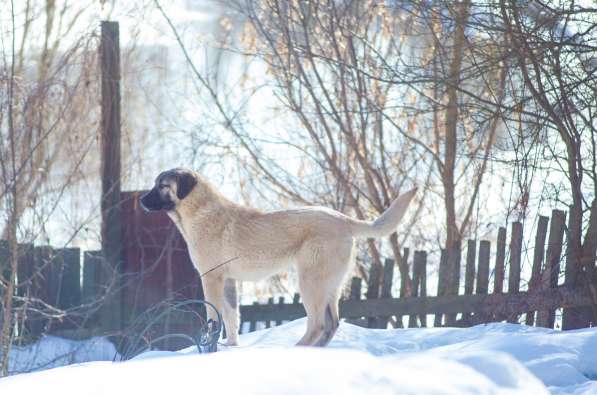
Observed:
{"x":185,"y":184}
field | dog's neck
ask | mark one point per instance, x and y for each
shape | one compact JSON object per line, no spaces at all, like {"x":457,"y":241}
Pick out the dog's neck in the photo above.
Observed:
{"x":203,"y":204}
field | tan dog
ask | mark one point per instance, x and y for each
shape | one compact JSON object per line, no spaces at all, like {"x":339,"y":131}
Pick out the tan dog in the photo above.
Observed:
{"x":229,"y":242}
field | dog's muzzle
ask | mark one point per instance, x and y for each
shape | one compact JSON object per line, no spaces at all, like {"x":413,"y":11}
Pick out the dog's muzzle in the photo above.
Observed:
{"x":152,"y":201}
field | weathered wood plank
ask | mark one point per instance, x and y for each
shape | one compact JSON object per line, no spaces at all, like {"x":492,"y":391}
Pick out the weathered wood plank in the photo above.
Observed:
{"x":515,"y":258}
{"x":92,"y":265}
{"x":482,"y":277}
{"x":373,"y":282}
{"x":253,"y":320}
{"x":386,"y":288}
{"x":538,"y":254}
{"x":388,"y":275}
{"x":483,"y":272}
{"x":355,"y":288}
{"x":546,"y":318}
{"x":110,"y":164}
{"x":373,"y":291}
{"x":454,"y":276}
{"x":441,"y":283}
{"x":70,"y":281}
{"x":280,"y":301}
{"x":422,"y":272}
{"x":419,"y":285}
{"x":268,"y":323}
{"x":498,"y":280}
{"x":469,"y":275}
{"x":504,"y":304}
{"x":403,"y":280}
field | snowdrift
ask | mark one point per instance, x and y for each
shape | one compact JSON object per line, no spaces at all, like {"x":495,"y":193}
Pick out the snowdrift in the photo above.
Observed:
{"x":486,"y":359}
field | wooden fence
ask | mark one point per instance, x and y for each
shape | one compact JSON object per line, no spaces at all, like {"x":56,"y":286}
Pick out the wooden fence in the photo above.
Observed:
{"x":70,"y":279}
{"x":456,"y":304}
{"x":50,"y":280}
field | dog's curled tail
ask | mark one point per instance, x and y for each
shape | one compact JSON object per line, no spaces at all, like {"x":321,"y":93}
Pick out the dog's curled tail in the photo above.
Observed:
{"x":387,"y":222}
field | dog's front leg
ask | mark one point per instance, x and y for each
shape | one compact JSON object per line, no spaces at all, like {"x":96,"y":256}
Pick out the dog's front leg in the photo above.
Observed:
{"x":218,"y":292}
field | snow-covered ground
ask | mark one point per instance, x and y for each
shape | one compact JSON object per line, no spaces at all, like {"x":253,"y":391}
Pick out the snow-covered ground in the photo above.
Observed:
{"x":486,"y":359}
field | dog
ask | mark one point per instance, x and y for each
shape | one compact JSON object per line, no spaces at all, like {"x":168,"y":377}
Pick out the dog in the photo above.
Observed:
{"x":228,"y":242}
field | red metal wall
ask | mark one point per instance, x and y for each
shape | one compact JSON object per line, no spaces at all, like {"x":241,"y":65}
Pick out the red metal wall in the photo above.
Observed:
{"x":157,"y":264}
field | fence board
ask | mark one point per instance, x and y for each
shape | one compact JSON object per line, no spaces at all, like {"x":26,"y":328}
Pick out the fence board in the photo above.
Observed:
{"x":482,"y":277}
{"x":454,"y":276}
{"x":491,"y":304}
{"x":498,"y":281}
{"x":268,"y":323}
{"x":388,"y":275}
{"x":514,"y":269}
{"x":469,"y":275}
{"x":253,"y":320}
{"x":280,"y":301}
{"x":31,"y":326}
{"x":92,"y":265}
{"x":25,"y":270}
{"x":419,"y":285}
{"x":546,"y":318}
{"x":70,"y":289}
{"x":373,"y":291}
{"x":355,"y":288}
{"x":538,"y":253}
{"x":386,"y":289}
{"x":441,"y":283}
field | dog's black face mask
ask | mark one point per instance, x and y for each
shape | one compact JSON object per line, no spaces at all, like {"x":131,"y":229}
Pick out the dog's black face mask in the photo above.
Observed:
{"x":170,"y":187}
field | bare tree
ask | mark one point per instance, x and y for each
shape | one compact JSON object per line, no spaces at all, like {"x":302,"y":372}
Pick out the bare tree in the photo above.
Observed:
{"x":554,"y":47}
{"x":46,"y":134}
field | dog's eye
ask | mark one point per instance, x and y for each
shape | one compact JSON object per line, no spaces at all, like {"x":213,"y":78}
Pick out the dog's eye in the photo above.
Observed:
{"x":162,"y":186}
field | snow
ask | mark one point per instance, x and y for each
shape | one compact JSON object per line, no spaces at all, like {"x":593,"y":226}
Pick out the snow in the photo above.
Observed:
{"x":51,"y":351}
{"x":486,"y":359}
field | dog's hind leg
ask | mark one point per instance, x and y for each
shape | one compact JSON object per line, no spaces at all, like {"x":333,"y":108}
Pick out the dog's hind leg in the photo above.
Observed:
{"x":321,"y":269}
{"x":313,"y":307}
{"x":330,"y":324}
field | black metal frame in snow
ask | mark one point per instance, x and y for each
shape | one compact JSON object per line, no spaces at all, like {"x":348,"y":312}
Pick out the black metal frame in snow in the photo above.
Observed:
{"x":206,"y":339}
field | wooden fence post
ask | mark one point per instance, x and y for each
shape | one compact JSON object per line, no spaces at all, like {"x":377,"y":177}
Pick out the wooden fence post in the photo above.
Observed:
{"x":268,"y":323}
{"x":27,"y":278}
{"x":546,"y":318}
{"x":355,"y":288}
{"x":253,"y":322}
{"x":575,"y":277}
{"x":515,"y":257}
{"x":112,"y":245}
{"x":441,"y":283}
{"x":469,"y":274}
{"x":483,"y":277}
{"x":498,"y":279}
{"x":499,"y":270}
{"x":373,"y":290}
{"x":403,"y":279}
{"x":386,"y":288}
{"x":419,"y":285}
{"x":92,"y":266}
{"x":280,"y":302}
{"x":538,"y":253}
{"x":454,"y":276}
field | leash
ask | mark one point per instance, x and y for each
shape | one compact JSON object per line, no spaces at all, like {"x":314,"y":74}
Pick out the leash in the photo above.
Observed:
{"x":215,"y":267}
